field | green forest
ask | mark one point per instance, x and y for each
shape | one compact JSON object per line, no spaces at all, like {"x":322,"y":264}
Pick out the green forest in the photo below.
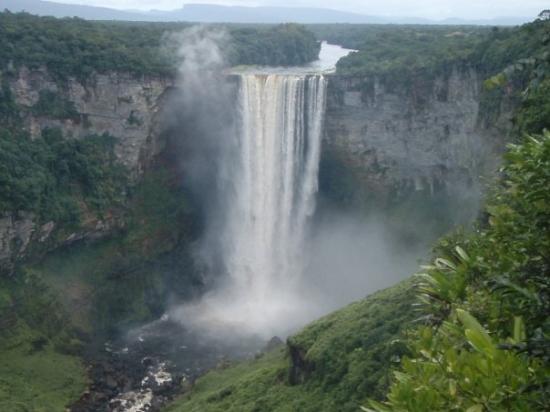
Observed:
{"x":76,"y":47}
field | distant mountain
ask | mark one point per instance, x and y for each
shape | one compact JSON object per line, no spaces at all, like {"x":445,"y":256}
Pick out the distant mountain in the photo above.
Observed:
{"x":47,"y":8}
{"x":208,"y":13}
{"x":236,"y":14}
{"x":498,"y":21}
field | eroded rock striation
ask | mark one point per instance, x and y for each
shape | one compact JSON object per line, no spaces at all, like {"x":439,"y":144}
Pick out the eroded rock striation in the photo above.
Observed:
{"x":416,"y":135}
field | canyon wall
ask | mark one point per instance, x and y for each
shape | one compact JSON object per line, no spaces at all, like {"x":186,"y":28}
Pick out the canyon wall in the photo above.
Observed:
{"x":420,"y":135}
{"x":119,"y":104}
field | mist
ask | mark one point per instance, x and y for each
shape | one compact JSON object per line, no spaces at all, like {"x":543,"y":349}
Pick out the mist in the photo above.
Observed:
{"x":199,"y":120}
{"x":352,"y":255}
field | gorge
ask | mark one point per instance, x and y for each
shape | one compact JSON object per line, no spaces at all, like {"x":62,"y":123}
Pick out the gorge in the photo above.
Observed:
{"x":175,"y":211}
{"x":263,"y":190}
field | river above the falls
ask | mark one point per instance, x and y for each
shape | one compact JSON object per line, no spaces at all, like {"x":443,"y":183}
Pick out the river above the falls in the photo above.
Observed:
{"x":326,"y":64}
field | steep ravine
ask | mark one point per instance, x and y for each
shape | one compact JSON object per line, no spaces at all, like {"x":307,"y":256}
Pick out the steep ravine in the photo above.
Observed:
{"x":379,"y":141}
{"x":391,"y":140}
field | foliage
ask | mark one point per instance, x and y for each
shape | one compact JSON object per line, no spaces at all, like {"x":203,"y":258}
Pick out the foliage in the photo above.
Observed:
{"x":507,"y":46}
{"x":384,"y":49}
{"x":534,"y":114}
{"x":50,"y":174}
{"x":38,"y":367}
{"x":394,"y":51}
{"x":39,"y":381}
{"x":488,"y":302}
{"x":345,"y":357}
{"x":53,"y":105}
{"x":9,"y":111}
{"x":246,"y":386}
{"x":447,"y":376}
{"x":75,"y":47}
{"x":149,"y":259}
{"x":288,"y":44}
{"x":518,"y":65}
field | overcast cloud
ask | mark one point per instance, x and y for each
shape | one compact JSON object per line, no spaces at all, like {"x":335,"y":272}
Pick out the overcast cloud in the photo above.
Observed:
{"x":434,"y":9}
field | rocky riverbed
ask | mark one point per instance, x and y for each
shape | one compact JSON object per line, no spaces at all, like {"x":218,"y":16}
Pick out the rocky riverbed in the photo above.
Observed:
{"x":146,"y":367}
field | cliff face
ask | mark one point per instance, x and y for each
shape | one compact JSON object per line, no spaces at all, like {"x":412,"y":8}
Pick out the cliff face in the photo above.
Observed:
{"x":395,"y":139}
{"x":418,"y":137}
{"x":124,"y":106}
{"x":120,"y":104}
{"x":16,"y":231}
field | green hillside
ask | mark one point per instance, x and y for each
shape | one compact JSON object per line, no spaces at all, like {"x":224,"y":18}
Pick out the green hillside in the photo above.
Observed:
{"x":333,"y":364}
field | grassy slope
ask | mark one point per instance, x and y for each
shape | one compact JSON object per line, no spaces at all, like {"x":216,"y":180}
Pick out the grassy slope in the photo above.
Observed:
{"x":37,"y":373}
{"x":78,"y":289}
{"x":345,"y":357}
{"x":44,"y":381}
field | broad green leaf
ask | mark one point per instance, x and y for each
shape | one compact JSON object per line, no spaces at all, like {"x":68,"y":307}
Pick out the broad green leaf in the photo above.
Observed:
{"x":378,"y":407}
{"x":476,"y":334}
{"x":444,"y":263}
{"x":452,"y":387}
{"x":519,"y":329}
{"x":469,"y":321}
{"x":401,"y":377}
{"x":481,"y":342}
{"x":462,"y":254}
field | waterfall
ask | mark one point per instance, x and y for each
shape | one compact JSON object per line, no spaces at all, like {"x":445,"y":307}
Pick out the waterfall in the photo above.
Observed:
{"x":273,"y":178}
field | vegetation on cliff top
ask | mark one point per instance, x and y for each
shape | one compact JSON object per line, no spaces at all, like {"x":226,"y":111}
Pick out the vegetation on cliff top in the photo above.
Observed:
{"x":411,"y":56}
{"x":390,"y":49}
{"x":76,"y":47}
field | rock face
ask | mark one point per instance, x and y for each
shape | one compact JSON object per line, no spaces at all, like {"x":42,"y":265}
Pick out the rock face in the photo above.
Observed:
{"x":417,"y":137}
{"x":414,"y":139}
{"x":16,"y":231}
{"x":123,"y":105}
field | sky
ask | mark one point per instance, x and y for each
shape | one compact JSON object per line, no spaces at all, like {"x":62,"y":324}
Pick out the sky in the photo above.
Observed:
{"x":434,"y":9}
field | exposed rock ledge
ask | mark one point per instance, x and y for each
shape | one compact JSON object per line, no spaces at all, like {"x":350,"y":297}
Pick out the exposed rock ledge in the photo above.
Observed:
{"x":420,"y":135}
{"x":121,"y":104}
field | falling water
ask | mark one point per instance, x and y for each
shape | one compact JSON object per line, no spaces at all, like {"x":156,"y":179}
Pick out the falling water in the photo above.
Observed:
{"x":279,"y":149}
{"x":273,"y":177}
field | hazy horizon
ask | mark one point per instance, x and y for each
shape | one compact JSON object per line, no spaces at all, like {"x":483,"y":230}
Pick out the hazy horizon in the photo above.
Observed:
{"x":429,"y":9}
